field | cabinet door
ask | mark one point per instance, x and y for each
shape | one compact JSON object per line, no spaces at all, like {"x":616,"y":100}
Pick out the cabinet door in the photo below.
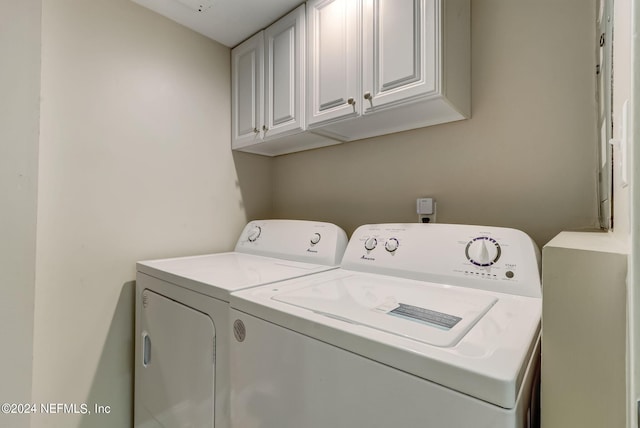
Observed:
{"x":284,"y":75}
{"x":247,"y":77}
{"x":334,"y":64}
{"x":400,"y":57}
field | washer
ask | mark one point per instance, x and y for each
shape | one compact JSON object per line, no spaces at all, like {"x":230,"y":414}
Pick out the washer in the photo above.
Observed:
{"x":423,"y":325}
{"x":182,"y":317}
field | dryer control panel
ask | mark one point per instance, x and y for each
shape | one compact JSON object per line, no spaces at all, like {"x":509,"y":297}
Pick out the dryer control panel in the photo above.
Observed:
{"x":298,"y":240}
{"x":481,"y":257}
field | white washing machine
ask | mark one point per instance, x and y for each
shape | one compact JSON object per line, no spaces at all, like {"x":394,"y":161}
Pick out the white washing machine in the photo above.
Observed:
{"x":424,"y":325}
{"x":182,"y":317}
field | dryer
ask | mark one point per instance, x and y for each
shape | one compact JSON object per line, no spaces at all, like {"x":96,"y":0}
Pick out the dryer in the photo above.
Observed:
{"x":182,"y":313}
{"x":424,"y":325}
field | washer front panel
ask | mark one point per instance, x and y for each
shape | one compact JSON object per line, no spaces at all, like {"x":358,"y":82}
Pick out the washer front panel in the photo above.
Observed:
{"x":285,"y":379}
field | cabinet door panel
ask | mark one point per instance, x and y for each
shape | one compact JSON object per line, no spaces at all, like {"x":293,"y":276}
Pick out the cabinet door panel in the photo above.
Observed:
{"x":400,"y":56}
{"x":246,"y":93}
{"x":334,"y":65}
{"x":397,"y":38}
{"x":282,"y":101}
{"x":247,"y":83}
{"x":285,"y":52}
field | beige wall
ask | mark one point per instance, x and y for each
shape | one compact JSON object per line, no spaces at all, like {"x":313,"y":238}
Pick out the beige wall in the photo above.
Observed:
{"x":19,"y":117}
{"x":526,"y":159}
{"x":134,"y":164}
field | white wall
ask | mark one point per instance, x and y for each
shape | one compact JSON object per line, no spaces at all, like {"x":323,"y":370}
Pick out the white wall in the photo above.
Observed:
{"x":134,"y":164}
{"x":526,"y":158}
{"x":633,"y":356}
{"x":622,"y":39}
{"x":19,"y":117}
{"x":623,"y":74}
{"x":633,"y":351}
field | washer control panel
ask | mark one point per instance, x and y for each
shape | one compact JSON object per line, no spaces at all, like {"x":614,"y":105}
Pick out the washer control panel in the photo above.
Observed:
{"x":298,"y":240}
{"x":491,"y":258}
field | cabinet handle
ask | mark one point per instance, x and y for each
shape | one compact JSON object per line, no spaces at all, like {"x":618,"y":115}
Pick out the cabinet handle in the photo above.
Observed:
{"x":255,"y":130}
{"x":368,"y":96}
{"x":264,"y":128}
{"x":352,"y":103}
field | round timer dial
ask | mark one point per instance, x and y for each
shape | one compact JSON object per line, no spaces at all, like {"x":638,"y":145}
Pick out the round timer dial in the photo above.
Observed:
{"x":315,"y":238}
{"x":254,"y":234}
{"x":483,"y":251}
{"x":370,"y":244}
{"x":391,"y":245}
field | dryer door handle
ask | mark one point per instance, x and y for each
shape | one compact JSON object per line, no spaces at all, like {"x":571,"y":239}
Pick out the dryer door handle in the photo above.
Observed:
{"x":146,"y":349}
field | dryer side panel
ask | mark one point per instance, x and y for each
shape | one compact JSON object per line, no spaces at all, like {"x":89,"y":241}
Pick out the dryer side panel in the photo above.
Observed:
{"x":174,"y":364}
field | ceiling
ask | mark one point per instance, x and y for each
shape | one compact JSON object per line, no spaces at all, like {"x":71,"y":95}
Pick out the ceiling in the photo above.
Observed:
{"x":226,"y":21}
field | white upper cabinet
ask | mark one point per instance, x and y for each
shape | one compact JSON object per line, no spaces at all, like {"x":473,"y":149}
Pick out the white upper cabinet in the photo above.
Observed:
{"x":413,"y":71}
{"x":284,"y":75}
{"x":334,"y":39}
{"x":268,"y":90}
{"x":399,"y":51}
{"x":247,"y":71}
{"x":350,"y":69}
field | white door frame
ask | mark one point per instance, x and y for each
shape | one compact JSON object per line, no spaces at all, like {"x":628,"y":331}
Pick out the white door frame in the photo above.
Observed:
{"x":633,"y":352}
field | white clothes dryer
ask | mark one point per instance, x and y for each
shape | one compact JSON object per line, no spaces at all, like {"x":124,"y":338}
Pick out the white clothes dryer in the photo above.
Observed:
{"x":182,"y":317}
{"x":424,"y":325}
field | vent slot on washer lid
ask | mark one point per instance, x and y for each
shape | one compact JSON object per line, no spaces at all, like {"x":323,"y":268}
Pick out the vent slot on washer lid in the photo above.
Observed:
{"x":424,"y":315}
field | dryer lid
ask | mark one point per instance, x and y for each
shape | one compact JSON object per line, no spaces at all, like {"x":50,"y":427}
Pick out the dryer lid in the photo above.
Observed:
{"x":431,"y":315}
{"x":217,"y":275}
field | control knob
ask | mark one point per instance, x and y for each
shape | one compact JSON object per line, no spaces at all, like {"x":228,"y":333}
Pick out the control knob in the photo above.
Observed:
{"x":483,"y":251}
{"x":370,"y":244}
{"x":254,"y":234}
{"x":391,"y":245}
{"x":315,"y":238}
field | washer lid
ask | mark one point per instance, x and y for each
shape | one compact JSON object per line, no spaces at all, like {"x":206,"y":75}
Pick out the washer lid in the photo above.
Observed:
{"x":439,"y":317}
{"x":489,"y":348}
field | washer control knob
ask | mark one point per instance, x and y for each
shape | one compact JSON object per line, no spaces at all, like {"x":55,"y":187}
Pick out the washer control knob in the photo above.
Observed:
{"x":315,"y":238}
{"x":254,"y":234}
{"x":391,"y":245}
{"x":483,"y":251}
{"x":370,"y":244}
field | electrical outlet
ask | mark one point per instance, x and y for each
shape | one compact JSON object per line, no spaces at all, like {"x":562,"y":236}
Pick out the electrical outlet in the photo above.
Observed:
{"x":426,"y":209}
